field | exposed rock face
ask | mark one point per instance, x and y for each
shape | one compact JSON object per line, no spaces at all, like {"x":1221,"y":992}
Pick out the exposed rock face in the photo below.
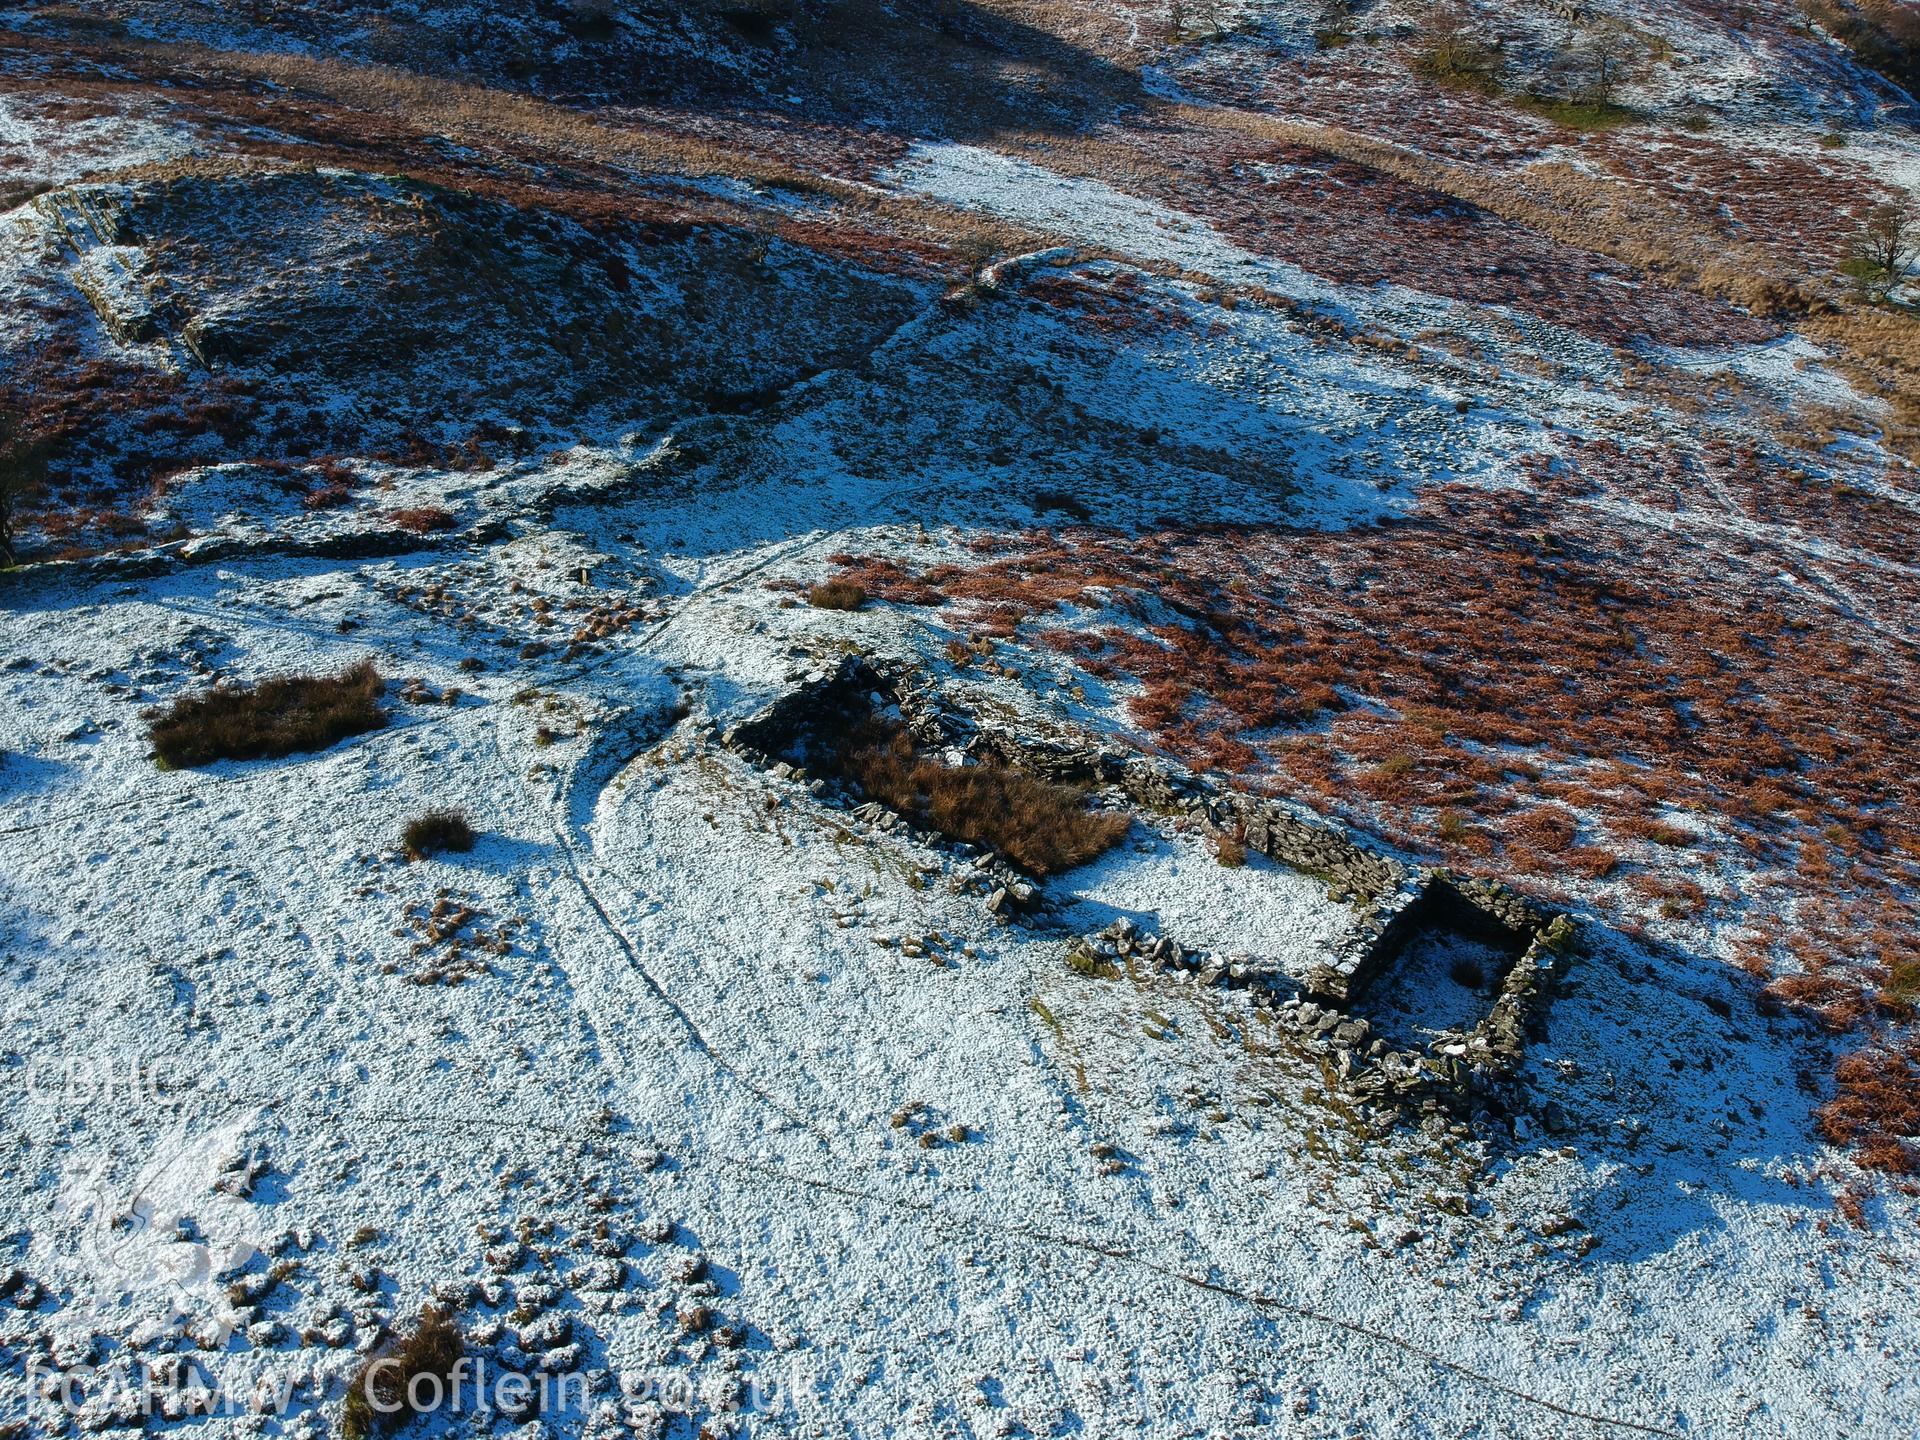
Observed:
{"x":401,"y":296}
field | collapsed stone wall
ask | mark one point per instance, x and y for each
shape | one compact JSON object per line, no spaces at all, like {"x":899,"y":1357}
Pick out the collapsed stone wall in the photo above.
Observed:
{"x":832,"y":698}
{"x":785,"y":724}
{"x":1461,"y":1073}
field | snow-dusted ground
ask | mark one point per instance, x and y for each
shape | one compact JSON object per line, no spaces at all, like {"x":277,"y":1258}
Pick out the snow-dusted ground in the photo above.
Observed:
{"x":1175,"y":886}
{"x":53,"y":146}
{"x":779,"y":1067}
{"x":705,"y":1009}
{"x":1438,"y":983}
{"x":1517,"y":406}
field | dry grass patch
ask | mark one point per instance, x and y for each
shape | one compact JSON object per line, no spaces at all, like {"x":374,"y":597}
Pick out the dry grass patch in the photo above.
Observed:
{"x":1876,"y":1107}
{"x":437,"y":831}
{"x":1041,"y":827}
{"x":422,"y":519}
{"x":280,"y":716}
{"x":879,"y":227}
{"x":1879,"y":350}
{"x":1599,"y":214}
{"x":837,"y":595}
{"x":381,"y":1398}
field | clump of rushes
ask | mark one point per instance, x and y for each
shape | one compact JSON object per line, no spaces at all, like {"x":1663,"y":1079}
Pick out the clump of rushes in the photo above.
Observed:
{"x":1041,"y":827}
{"x":836,"y":595}
{"x":383,"y":1395}
{"x":1876,"y":1107}
{"x":279,"y":716}
{"x":435,"y":831}
{"x":423,"y":519}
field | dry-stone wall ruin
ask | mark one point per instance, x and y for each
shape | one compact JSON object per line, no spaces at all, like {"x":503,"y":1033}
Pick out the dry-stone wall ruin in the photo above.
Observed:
{"x":1395,"y":901}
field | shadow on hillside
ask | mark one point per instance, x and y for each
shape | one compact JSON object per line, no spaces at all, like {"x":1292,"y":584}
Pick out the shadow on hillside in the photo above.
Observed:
{"x":1008,"y":415}
{"x":24,"y":774}
{"x":1681,"y":1088}
{"x":1663,"y":1085}
{"x":953,"y":68}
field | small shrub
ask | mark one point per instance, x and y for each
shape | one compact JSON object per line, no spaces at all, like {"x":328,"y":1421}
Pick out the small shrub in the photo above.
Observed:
{"x":758,"y":19}
{"x":327,"y":497}
{"x":1551,"y":828}
{"x":1091,"y":964}
{"x":279,"y":716}
{"x":1677,"y":897}
{"x":1875,"y":1109}
{"x":380,"y":1398}
{"x":422,"y":519}
{"x":1466,"y":971}
{"x":837,"y":595}
{"x":435,"y":831}
{"x":1458,"y":59}
{"x":591,"y":19}
{"x":1900,"y":996}
{"x":334,"y":490}
{"x":1851,"y":1203}
{"x":1230,"y":852}
{"x":1591,"y":862}
{"x":1045,"y":502}
{"x":1041,"y":827}
{"x":1672,"y":836}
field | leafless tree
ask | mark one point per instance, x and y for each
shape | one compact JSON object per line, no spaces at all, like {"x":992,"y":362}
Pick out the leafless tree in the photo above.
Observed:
{"x":1606,"y":55}
{"x":977,"y":252}
{"x":1460,"y":57}
{"x":1884,"y":249}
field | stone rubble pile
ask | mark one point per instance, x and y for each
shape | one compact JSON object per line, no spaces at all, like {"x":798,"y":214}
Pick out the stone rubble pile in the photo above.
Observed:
{"x":1164,"y":955}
